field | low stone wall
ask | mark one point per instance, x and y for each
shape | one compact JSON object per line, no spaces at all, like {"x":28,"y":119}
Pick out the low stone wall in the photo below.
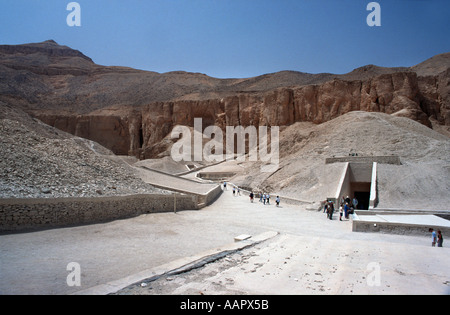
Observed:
{"x":32,"y":214}
{"x":365,"y":159}
{"x":373,"y":201}
{"x":361,"y":224}
{"x":397,"y":228}
{"x":212,"y":195}
{"x":215,"y":176}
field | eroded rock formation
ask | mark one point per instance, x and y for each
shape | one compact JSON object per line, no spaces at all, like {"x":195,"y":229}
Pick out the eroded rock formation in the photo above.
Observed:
{"x":133,"y":112}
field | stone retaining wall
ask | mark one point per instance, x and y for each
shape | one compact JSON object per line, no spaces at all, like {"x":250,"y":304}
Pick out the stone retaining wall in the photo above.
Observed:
{"x":215,"y":175}
{"x":212,"y":195}
{"x":32,"y":214}
{"x":360,"y":223}
{"x":397,"y":228}
{"x":391,"y":159}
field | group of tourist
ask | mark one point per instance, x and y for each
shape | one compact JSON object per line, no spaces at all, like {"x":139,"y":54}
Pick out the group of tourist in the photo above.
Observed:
{"x":264,"y":198}
{"x":328,"y":208}
{"x":346,"y":207}
{"x":436,"y":239}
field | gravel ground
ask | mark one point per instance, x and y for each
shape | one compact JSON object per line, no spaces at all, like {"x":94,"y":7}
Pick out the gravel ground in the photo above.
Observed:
{"x":35,"y":164}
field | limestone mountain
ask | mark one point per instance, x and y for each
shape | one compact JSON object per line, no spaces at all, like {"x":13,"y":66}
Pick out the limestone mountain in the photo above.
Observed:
{"x":131,"y":111}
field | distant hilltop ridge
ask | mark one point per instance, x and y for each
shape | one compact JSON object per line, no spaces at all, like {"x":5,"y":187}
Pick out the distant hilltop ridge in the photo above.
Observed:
{"x":132,"y":111}
{"x":49,"y":48}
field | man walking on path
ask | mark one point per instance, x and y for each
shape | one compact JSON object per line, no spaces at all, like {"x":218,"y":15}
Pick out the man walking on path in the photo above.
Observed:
{"x":331,"y":210}
{"x":433,"y":237}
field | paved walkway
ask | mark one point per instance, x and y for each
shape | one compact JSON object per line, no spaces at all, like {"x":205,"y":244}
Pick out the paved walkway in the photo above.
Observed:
{"x":294,"y":264}
{"x":35,"y":263}
{"x":172,"y":182}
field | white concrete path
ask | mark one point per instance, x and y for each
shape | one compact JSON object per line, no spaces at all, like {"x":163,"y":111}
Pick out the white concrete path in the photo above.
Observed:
{"x":35,"y":263}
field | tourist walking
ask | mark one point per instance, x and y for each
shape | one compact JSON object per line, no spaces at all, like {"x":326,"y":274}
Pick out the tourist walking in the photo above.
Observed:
{"x":433,"y":237}
{"x":327,"y":209}
{"x":251,"y":197}
{"x":330,"y":210}
{"x":278,"y":201}
{"x":440,"y":239}
{"x":268,"y":198}
{"x":341,"y":212}
{"x":264,"y":198}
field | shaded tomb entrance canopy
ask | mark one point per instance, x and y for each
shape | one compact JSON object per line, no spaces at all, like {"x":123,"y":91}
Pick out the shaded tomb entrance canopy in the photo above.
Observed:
{"x":359,"y":178}
{"x":360,"y":182}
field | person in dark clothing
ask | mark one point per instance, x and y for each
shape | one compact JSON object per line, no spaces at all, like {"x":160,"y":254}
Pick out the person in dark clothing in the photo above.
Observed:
{"x":330,"y":210}
{"x":440,"y":239}
{"x":346,"y":210}
{"x":347,"y":200}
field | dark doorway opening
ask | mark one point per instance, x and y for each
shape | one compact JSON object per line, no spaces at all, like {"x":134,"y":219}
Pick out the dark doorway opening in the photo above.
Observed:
{"x":141,"y":138}
{"x":363,"y":199}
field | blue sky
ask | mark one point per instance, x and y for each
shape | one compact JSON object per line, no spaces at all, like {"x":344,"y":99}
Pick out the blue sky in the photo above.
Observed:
{"x":236,"y":38}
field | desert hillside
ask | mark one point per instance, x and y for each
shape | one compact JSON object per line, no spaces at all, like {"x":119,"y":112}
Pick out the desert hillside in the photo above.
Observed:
{"x":39,"y":161}
{"x":99,"y":111}
{"x":131,"y":111}
{"x":420,"y":182}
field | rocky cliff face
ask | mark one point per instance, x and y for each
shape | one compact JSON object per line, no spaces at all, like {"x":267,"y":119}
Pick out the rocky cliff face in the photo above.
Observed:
{"x":140,"y":130}
{"x":133,"y":112}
